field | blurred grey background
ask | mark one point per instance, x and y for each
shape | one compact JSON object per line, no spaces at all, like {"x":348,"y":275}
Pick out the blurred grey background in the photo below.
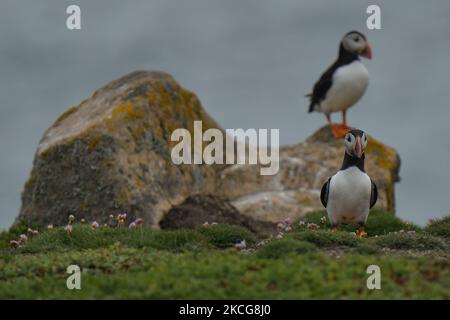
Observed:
{"x":250,"y":62}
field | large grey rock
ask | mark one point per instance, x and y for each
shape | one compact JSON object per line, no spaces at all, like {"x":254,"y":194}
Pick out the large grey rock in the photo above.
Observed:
{"x":111,"y":153}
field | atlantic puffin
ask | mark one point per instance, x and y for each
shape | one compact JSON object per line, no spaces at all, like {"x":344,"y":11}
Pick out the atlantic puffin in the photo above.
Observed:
{"x":350,"y":193}
{"x":344,"y":82}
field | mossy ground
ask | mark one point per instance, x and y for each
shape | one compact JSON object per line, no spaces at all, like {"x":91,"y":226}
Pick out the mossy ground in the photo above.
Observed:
{"x":203,"y":263}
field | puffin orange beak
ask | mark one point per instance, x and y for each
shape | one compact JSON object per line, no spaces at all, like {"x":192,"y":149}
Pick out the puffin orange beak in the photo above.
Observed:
{"x":358,"y":147}
{"x":367,"y":52}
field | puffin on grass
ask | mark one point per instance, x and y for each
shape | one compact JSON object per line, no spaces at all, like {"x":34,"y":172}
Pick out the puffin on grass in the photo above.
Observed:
{"x":350,"y":193}
{"x":344,"y":82}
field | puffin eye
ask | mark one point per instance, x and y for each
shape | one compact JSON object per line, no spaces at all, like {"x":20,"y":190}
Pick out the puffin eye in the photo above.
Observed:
{"x":349,"y":138}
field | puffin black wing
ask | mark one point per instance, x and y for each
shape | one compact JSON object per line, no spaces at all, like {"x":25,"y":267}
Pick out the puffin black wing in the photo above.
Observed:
{"x":322,"y":86}
{"x":324,"y":192}
{"x":373,"y":194}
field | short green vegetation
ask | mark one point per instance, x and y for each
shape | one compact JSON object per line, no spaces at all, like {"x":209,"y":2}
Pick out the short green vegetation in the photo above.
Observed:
{"x":303,"y":261}
{"x":440,"y":227}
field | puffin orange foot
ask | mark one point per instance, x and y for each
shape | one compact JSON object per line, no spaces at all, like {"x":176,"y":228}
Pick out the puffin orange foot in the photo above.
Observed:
{"x":361,"y":233}
{"x":346,"y":127}
{"x":339,"y":131}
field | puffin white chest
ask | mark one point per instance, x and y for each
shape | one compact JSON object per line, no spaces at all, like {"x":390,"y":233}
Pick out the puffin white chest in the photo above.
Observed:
{"x":349,"y":84}
{"x":349,"y":196}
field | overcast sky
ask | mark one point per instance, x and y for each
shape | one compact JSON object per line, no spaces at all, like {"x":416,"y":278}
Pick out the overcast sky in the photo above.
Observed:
{"x":249,"y":61}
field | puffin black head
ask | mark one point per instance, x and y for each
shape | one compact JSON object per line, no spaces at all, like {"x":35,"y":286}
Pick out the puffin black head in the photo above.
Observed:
{"x":355,"y":143}
{"x":354,"y":42}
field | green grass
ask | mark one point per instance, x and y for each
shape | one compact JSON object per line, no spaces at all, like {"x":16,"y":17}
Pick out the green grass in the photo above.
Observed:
{"x":13,"y":233}
{"x":439,"y":227}
{"x":122,"y":272}
{"x":379,"y":222}
{"x":277,"y":249}
{"x":203,"y":263}
{"x":326,"y":238}
{"x":223,"y":236}
{"x":403,"y":241}
{"x":83,"y":237}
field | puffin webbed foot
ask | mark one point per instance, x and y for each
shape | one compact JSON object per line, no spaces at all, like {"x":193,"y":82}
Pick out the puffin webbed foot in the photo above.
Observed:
{"x":339,"y":130}
{"x":361,"y":233}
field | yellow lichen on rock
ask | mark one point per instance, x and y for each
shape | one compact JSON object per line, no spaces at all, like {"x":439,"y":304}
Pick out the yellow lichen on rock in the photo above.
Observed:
{"x":128,"y":111}
{"x":67,"y":113}
{"x":384,"y":156}
{"x":93,"y":142}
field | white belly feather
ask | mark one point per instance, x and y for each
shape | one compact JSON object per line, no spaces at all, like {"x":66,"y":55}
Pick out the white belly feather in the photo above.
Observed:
{"x":349,"y":196}
{"x":349,"y":84}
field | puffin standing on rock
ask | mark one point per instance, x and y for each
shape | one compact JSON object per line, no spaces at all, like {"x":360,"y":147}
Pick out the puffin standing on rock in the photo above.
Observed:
{"x":344,"y":82}
{"x":350,"y":193}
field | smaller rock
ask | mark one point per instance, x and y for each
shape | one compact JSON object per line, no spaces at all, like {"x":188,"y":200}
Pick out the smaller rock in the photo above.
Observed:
{"x":200,"y":208}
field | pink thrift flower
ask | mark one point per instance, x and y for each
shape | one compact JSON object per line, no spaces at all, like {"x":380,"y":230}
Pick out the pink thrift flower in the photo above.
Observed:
{"x":411,"y":233}
{"x":313,"y":226}
{"x":23,"y":238}
{"x":14,"y":244}
{"x":68,"y":228}
{"x":94,"y":225}
{"x":287,"y":221}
